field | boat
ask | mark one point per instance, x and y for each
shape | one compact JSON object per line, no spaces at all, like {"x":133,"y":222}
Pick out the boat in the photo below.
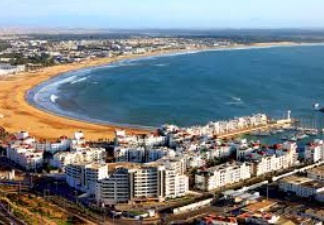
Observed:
{"x":316,"y":106}
{"x":311,"y":132}
{"x":280,"y":131}
{"x":261,"y":133}
{"x":301,"y":136}
{"x":284,"y":138}
{"x":293,"y":138}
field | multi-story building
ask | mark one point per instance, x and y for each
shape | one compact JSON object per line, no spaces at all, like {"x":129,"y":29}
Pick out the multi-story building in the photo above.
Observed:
{"x":62,"y":144}
{"x":86,"y":155}
{"x":78,"y":141}
{"x":25,"y":156}
{"x":146,"y":182}
{"x":6,"y":69}
{"x":270,"y":160}
{"x":84,"y":177}
{"x":314,"y":152}
{"x":176,"y":185}
{"x":21,"y":151}
{"x":114,"y":189}
{"x":222,"y":175}
{"x":316,"y":173}
{"x":301,"y":186}
{"x":22,"y":137}
{"x":141,"y":154}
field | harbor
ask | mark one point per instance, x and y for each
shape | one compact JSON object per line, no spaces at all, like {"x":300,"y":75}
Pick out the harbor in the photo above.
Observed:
{"x":268,"y":128}
{"x":264,"y":130}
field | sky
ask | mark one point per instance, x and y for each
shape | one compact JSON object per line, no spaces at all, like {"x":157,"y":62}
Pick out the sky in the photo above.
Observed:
{"x":188,"y":14}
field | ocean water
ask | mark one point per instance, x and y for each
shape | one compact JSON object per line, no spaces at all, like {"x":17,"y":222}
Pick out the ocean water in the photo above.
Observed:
{"x":189,"y":89}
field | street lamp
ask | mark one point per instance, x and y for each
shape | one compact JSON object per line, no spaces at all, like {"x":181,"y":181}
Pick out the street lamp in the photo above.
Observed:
{"x":75,"y":196}
{"x":56,"y":188}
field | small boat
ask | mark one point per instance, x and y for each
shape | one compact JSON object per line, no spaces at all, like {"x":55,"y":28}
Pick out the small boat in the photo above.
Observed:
{"x":284,"y":138}
{"x":301,"y":136}
{"x":275,"y":131}
{"x":311,"y":132}
{"x":316,"y":106}
{"x":261,"y":133}
{"x":294,"y":139}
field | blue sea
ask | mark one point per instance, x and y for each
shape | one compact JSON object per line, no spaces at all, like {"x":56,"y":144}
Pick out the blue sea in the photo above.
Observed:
{"x":190,"y":89}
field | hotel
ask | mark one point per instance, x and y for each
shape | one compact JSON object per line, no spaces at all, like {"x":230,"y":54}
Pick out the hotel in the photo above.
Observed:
{"x":145,"y":182}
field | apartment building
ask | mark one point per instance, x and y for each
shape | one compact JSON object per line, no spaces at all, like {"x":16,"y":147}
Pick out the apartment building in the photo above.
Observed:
{"x":62,"y":144}
{"x":146,"y":182}
{"x":301,"y":186}
{"x":84,"y":177}
{"x":141,"y":154}
{"x":314,"y":151}
{"x":316,"y":173}
{"x":25,"y":156}
{"x":269,"y":160}
{"x":6,"y":69}
{"x":85,"y":155}
{"x":114,"y":189}
{"x":222,"y":175}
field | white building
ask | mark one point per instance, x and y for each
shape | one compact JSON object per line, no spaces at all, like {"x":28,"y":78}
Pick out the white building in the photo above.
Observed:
{"x":84,"y":177}
{"x":22,"y":137}
{"x":140,"y":154}
{"x":25,"y":156}
{"x":301,"y":186}
{"x":316,"y":173}
{"x":146,"y":182}
{"x":270,"y":160}
{"x":78,"y":141}
{"x":86,"y":155}
{"x":176,"y":185}
{"x":62,"y":144}
{"x":114,"y":189}
{"x":6,"y":69}
{"x":222,"y":175}
{"x":314,"y":152}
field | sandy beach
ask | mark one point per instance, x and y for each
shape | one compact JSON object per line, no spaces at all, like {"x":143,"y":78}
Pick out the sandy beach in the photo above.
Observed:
{"x":17,"y":114}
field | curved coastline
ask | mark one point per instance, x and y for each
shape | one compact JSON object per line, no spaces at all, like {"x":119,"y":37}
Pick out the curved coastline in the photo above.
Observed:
{"x":20,"y":113}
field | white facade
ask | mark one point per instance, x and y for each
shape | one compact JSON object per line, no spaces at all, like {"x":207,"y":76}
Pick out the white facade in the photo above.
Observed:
{"x":175,"y":185}
{"x":84,"y":177}
{"x":87,"y":155}
{"x":316,"y":173}
{"x":25,"y":156}
{"x":53,"y":147}
{"x":146,"y":182}
{"x":269,"y":160}
{"x":314,"y":152}
{"x":78,"y":140}
{"x":6,"y":69}
{"x":270,"y":163}
{"x":140,"y":154}
{"x":301,"y":186}
{"x":222,"y":175}
{"x":114,"y":189}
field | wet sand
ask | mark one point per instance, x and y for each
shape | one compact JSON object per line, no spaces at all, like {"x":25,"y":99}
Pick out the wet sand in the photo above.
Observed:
{"x":17,"y":114}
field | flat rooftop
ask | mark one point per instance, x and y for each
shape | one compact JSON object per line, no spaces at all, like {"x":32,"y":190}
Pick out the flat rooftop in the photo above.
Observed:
{"x":260,"y":206}
{"x":318,"y":170}
{"x":297,"y":180}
